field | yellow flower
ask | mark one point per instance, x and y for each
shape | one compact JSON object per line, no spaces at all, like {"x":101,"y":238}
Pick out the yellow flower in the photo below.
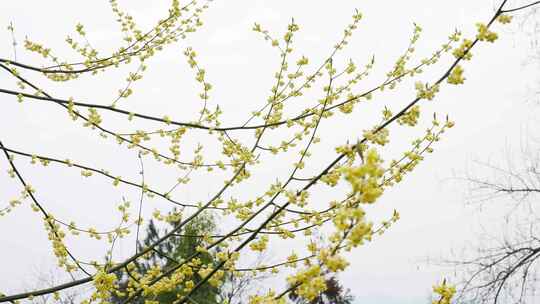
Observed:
{"x":504,"y":19}
{"x":364,"y":179}
{"x":259,"y":245}
{"x":446,"y":293}
{"x":456,"y":76}
{"x":484,"y":34}
{"x":463,"y":50}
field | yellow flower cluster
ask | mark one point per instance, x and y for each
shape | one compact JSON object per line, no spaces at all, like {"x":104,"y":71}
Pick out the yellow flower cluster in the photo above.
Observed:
{"x":351,"y":222}
{"x":504,"y":19}
{"x":259,"y":245}
{"x":310,"y":282}
{"x":456,"y":75}
{"x":484,"y":34}
{"x":364,"y":179}
{"x":331,"y":178}
{"x":71,"y":109}
{"x":360,"y":232}
{"x":446,"y":293}
{"x":400,"y":66}
{"x":345,"y":217}
{"x":463,"y":50}
{"x":425,"y":91}
{"x":269,"y":298}
{"x":333,"y":262}
{"x":37,"y":48}
{"x":94,"y":119}
{"x":86,"y":173}
{"x":299,"y":199}
{"x":104,"y":283}
{"x":410,"y":118}
{"x":56,"y":236}
{"x":379,"y":137}
{"x":216,"y":279}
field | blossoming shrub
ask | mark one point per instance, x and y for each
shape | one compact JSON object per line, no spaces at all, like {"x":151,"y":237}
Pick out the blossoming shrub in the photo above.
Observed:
{"x":289,"y":208}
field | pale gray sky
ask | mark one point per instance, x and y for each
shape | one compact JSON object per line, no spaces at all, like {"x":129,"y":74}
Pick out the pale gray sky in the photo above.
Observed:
{"x":489,"y":111}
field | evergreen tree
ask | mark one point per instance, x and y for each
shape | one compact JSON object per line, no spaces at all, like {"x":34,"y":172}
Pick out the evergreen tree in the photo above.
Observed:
{"x":169,"y":253}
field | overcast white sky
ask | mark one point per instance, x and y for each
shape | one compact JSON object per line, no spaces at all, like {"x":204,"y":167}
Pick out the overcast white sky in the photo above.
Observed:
{"x":490,"y":111}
